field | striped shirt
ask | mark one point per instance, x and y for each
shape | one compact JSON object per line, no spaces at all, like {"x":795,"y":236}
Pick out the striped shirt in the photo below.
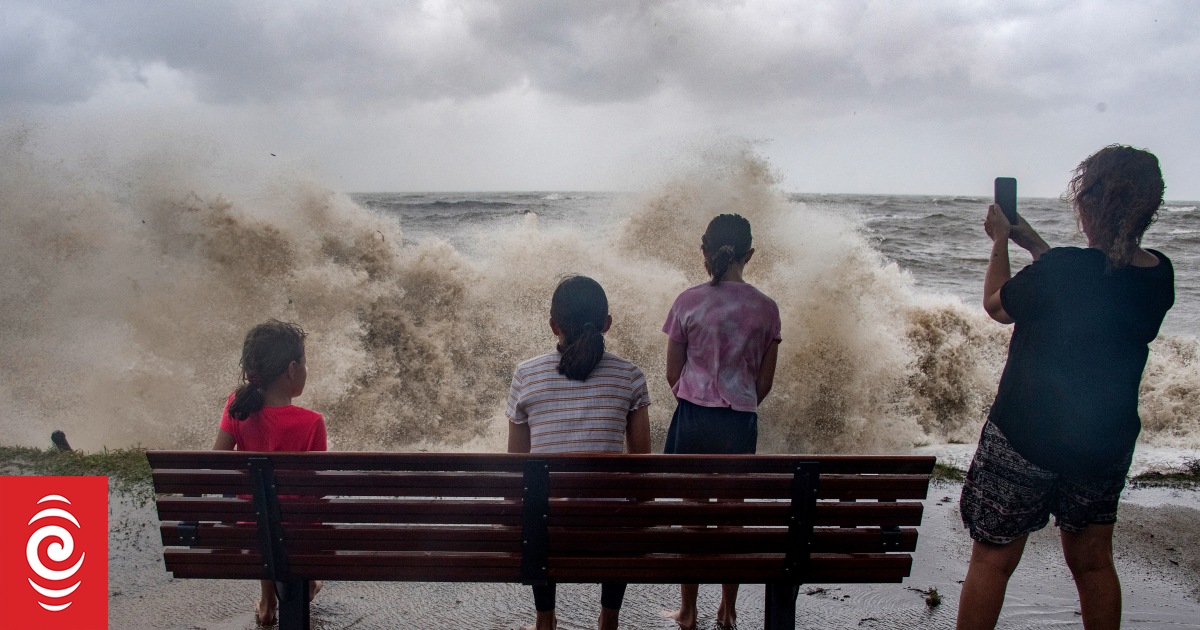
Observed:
{"x":567,"y":416}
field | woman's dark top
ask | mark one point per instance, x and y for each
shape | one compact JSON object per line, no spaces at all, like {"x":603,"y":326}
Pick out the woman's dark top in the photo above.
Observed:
{"x":1068,"y":398}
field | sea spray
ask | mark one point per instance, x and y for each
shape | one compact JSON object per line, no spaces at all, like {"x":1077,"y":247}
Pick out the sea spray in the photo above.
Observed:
{"x":126,"y":291}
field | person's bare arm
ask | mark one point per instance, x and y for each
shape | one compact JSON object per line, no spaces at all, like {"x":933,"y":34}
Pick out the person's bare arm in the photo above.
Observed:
{"x":518,"y":437}
{"x":999,"y":270}
{"x":676,"y":358}
{"x":766,"y":372}
{"x":637,"y":430}
{"x":225,"y":441}
{"x":1027,"y":238}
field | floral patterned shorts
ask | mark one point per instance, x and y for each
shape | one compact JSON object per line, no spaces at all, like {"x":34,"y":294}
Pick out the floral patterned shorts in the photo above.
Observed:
{"x":1006,"y":496}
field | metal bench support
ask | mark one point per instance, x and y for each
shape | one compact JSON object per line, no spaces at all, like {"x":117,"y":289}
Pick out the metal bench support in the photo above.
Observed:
{"x":535,"y":523}
{"x":779,"y":609}
{"x":292,"y":593}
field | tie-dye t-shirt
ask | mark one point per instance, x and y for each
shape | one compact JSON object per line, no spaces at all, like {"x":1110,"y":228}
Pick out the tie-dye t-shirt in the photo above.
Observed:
{"x":727,"y":330}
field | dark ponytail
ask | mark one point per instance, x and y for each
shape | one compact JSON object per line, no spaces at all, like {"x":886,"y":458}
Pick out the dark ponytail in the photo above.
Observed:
{"x":726,"y":241}
{"x":580,"y":309}
{"x":267,"y":351}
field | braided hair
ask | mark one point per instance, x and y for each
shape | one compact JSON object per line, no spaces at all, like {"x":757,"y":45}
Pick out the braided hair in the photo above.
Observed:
{"x":580,"y":309}
{"x":727,"y":240}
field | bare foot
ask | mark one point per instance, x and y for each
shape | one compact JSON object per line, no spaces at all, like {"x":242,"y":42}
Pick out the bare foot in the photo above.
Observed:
{"x":726,"y":617}
{"x":726,"y":613}
{"x":685,"y":621}
{"x":314,"y":587}
{"x":545,"y":621}
{"x":265,"y":614}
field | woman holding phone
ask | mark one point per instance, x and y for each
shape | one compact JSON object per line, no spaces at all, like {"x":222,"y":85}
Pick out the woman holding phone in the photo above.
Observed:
{"x":1060,"y":435}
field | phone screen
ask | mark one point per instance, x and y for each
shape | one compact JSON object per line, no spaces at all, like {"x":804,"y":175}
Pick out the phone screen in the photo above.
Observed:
{"x":1006,"y":197}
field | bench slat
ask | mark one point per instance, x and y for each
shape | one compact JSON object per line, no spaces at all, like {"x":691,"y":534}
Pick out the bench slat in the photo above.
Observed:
{"x":578,"y":513}
{"x":508,"y":539}
{"x":647,"y":514}
{"x":205,"y":509}
{"x":510,"y":462}
{"x":356,"y":538}
{"x":476,"y":567}
{"x":577,"y":485}
{"x":412,"y":566}
{"x":339,"y":483}
{"x":599,"y":542}
{"x":822,"y":569}
{"x":751,"y":486}
{"x":483,"y":512}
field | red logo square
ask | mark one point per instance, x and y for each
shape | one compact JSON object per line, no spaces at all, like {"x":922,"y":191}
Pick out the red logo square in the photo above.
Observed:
{"x":54,"y":553}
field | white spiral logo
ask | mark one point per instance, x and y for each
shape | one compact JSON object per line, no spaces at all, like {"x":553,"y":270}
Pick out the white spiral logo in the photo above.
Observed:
{"x":59,"y":551}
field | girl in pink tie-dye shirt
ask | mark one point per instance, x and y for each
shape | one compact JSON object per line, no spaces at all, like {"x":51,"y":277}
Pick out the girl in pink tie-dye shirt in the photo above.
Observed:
{"x":723,"y":341}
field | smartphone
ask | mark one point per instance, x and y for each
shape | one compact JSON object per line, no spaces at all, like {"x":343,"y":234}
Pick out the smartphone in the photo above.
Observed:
{"x":1006,"y":197}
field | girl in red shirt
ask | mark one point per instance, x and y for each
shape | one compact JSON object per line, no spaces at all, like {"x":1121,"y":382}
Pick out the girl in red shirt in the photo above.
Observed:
{"x":259,"y":415}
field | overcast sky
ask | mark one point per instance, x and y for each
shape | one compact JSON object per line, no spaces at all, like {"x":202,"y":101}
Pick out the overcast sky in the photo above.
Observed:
{"x":844,"y":96}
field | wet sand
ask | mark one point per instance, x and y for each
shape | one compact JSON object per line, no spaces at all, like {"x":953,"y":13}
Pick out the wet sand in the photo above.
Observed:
{"x":1158,"y":558}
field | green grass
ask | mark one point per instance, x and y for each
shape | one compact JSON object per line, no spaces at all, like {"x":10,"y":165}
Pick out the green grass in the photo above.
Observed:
{"x":126,"y":468}
{"x":946,"y":472}
{"x":1187,"y":476}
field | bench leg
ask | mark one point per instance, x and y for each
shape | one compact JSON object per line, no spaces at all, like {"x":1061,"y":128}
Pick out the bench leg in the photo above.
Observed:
{"x":293,"y":604}
{"x":779,"y":611}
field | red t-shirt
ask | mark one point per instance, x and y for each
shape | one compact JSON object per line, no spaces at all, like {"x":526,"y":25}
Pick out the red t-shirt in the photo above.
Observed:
{"x":288,"y":428}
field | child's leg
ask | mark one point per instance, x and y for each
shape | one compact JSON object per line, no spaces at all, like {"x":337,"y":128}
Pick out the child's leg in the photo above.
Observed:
{"x":612,"y":594}
{"x":726,"y":614}
{"x":314,"y":587}
{"x":686,"y":615}
{"x":608,"y":618}
{"x":543,"y":601}
{"x":266,"y":613}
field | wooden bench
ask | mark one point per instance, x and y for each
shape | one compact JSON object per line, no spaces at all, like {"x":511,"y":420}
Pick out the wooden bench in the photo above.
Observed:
{"x":776,"y":520}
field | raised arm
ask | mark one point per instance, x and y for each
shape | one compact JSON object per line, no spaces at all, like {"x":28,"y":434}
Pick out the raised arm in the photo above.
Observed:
{"x":999,"y":269}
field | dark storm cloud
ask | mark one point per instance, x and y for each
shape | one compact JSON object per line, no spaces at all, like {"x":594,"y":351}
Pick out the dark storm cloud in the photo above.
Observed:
{"x":246,"y":51}
{"x":944,"y":59}
{"x":43,"y":58}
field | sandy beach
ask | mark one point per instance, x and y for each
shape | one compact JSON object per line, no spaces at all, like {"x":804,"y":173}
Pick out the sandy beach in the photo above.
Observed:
{"x":1158,"y":559}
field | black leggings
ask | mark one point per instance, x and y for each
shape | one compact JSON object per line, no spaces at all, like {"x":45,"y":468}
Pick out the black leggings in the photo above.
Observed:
{"x":611,"y":595}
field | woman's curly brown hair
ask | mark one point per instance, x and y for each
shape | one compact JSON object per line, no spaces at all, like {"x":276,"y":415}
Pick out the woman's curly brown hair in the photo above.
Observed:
{"x":1117,"y":192}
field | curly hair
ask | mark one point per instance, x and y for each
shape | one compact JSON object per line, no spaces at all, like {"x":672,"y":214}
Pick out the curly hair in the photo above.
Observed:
{"x":1116,"y":192}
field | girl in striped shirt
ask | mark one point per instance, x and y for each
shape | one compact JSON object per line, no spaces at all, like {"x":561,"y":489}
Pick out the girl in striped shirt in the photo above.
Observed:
{"x":578,"y":399}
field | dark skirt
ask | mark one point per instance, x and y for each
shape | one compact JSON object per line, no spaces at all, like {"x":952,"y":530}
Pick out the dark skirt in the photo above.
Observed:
{"x":701,"y":430}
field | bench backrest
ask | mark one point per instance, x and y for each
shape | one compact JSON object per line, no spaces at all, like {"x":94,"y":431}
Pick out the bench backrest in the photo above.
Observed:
{"x":528,"y":518}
